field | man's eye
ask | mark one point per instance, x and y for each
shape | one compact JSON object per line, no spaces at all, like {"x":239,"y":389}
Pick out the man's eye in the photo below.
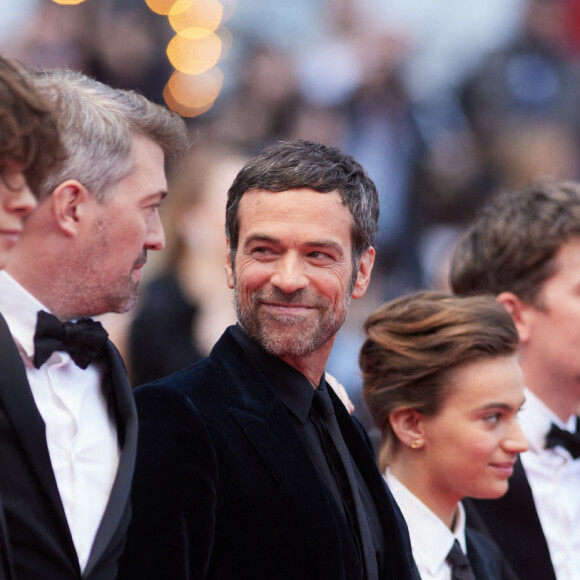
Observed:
{"x":262,"y":251}
{"x":317,"y":255}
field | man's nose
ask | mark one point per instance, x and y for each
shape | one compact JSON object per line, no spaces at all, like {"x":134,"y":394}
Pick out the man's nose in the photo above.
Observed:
{"x":155,"y":239}
{"x":289,"y":274}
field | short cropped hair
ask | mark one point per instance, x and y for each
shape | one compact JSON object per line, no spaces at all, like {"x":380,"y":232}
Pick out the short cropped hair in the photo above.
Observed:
{"x":413,"y":342}
{"x":305,"y":164}
{"x":512,"y":243}
{"x":28,"y":130}
{"x":98,"y":124}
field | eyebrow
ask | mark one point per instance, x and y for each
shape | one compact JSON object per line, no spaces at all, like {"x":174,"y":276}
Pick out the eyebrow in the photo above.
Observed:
{"x":503,"y":406}
{"x":311,"y":244}
{"x":162,"y":193}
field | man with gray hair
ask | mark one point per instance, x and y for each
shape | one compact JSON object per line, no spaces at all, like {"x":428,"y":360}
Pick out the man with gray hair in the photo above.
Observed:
{"x":68,"y":425}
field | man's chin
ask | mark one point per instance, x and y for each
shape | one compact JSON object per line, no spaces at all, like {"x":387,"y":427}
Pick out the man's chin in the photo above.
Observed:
{"x":125,"y":303}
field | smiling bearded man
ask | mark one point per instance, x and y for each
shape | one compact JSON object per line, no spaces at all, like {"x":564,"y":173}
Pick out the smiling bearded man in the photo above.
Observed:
{"x":248,"y":465}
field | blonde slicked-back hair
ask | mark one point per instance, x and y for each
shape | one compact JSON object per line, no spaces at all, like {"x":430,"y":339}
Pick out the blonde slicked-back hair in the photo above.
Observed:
{"x":413,"y":342}
{"x":98,"y":124}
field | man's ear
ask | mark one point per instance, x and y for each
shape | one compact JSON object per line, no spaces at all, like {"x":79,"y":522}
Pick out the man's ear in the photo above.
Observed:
{"x":69,"y":200}
{"x":407,"y":423}
{"x":365,"y":267}
{"x":229,"y":265}
{"x":519,"y":311}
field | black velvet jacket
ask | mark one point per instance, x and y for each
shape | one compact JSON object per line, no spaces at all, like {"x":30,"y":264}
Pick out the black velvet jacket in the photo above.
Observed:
{"x":225,"y":489}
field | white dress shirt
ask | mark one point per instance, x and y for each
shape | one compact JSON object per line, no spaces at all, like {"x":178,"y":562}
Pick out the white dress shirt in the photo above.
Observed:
{"x":431,"y":539}
{"x":555,"y":481}
{"x":80,"y":434}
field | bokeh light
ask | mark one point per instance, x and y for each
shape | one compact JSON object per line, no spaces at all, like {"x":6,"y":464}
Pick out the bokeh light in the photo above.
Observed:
{"x":201,"y":15}
{"x":165,"y":7}
{"x":229,"y":7}
{"x":192,"y":95}
{"x":227,"y":39}
{"x":200,"y":43}
{"x":194,"y":55}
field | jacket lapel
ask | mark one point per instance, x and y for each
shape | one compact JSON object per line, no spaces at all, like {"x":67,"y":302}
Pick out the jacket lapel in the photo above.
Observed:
{"x":399,"y":558}
{"x":18,"y":403}
{"x":126,"y":414}
{"x":505,"y":518}
{"x":270,"y":430}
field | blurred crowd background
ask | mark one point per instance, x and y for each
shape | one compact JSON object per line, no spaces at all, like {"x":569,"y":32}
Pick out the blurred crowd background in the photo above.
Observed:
{"x":443,"y":101}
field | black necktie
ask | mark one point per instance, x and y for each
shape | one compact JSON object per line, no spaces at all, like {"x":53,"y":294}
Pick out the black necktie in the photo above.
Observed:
{"x":460,"y":567}
{"x":562,"y":438}
{"x":83,"y":339}
{"x":323,"y":411}
{"x":326,"y":424}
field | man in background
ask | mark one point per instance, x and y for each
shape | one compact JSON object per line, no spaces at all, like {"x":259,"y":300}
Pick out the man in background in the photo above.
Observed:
{"x":524,"y":247}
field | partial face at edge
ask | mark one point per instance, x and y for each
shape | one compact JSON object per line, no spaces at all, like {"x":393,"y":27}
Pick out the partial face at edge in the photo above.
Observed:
{"x":16,"y":202}
{"x":125,"y":227}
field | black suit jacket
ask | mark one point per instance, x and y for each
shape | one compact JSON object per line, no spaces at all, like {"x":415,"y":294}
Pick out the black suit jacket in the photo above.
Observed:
{"x":225,"y":488}
{"x":38,"y":533}
{"x":485,"y":557}
{"x":6,"y":572}
{"x":513,"y":523}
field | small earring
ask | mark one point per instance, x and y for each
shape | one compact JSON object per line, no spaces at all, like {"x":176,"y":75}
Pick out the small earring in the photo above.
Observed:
{"x":416,"y":444}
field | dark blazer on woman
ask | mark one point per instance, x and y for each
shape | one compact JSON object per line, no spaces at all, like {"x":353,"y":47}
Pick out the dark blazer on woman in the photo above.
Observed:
{"x":513,"y":523}
{"x":485,"y":558}
{"x":38,"y":533}
{"x":225,"y":488}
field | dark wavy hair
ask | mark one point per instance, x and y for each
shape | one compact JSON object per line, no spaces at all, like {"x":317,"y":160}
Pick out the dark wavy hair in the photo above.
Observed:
{"x":511,"y":245}
{"x":305,"y":164}
{"x":28,"y":130}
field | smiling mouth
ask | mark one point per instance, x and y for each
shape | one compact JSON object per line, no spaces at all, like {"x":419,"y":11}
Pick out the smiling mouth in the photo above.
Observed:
{"x":287,"y":309}
{"x":506,"y":468}
{"x":283,"y":305}
{"x":10,"y":235}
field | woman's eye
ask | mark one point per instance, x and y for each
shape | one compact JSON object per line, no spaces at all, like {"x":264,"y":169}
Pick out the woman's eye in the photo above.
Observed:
{"x":493,"y":418}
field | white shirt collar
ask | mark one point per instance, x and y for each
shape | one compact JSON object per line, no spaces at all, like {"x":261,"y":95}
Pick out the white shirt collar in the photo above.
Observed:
{"x":19,"y":309}
{"x":431,"y":539}
{"x":535,"y":419}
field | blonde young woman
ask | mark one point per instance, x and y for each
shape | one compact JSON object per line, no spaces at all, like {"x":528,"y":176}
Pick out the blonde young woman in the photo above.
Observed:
{"x":442,"y":382}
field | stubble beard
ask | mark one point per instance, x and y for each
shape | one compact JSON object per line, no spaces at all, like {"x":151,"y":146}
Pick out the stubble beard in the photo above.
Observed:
{"x":100,"y":297}
{"x":288,"y":335}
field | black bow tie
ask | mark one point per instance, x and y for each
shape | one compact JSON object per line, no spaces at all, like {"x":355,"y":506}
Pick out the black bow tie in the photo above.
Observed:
{"x":565,"y":439}
{"x":83,"y":339}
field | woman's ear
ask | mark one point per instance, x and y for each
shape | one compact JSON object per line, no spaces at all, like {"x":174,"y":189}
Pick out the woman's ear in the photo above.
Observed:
{"x":407,"y":424}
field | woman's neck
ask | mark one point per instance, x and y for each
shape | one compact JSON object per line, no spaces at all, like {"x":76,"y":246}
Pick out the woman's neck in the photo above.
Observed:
{"x":440,"y":500}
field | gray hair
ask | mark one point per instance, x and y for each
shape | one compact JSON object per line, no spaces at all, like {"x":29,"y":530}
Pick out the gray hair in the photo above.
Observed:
{"x":98,"y":124}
